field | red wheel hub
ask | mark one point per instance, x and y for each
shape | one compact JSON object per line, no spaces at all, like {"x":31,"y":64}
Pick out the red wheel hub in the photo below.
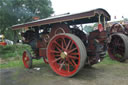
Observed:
{"x":63,"y":55}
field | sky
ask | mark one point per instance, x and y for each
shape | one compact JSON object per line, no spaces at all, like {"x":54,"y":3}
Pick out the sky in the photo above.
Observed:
{"x":116,"y":8}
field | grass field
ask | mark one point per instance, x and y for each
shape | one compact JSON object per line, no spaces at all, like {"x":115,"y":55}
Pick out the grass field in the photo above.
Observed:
{"x":11,"y":56}
{"x":13,"y":51}
{"x":12,"y":72}
{"x":18,"y":63}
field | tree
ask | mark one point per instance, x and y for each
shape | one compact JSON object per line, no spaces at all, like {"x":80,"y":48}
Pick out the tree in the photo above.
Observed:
{"x":125,"y":19}
{"x":90,"y":28}
{"x":20,"y":11}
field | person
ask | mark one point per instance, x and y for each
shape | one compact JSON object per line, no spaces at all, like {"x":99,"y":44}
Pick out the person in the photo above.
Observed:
{"x":28,"y":36}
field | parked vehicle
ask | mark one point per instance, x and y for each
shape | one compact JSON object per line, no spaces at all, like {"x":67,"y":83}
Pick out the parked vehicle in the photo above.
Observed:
{"x":63,"y":45}
{"x":9,"y":42}
{"x":2,"y":40}
{"x":118,"y":46}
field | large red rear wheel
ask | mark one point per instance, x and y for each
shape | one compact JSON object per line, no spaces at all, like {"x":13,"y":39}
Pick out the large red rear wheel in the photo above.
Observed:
{"x":66,"y":54}
{"x":118,"y":47}
{"x":27,"y":59}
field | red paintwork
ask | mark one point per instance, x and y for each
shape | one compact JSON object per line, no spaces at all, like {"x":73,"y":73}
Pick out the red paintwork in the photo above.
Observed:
{"x":42,"y":53}
{"x":59,"y":28}
{"x":46,"y":37}
{"x":95,"y":37}
{"x":56,"y":63}
{"x":3,"y":43}
{"x":100,"y":27}
{"x":25,"y":59}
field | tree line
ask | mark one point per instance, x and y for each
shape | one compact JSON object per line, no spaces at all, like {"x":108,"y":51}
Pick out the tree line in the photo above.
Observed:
{"x":20,"y":11}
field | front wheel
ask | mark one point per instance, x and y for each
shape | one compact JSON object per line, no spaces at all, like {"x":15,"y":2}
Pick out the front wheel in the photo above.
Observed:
{"x":66,"y":54}
{"x":27,"y":59}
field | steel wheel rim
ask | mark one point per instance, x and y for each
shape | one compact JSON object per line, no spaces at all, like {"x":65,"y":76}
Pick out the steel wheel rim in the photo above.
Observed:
{"x":61,"y":57}
{"x":116,"y":48}
{"x":26,"y":59}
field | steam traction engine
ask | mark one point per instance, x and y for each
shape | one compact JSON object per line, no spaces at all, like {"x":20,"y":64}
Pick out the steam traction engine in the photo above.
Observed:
{"x":118,"y":45}
{"x":63,"y":44}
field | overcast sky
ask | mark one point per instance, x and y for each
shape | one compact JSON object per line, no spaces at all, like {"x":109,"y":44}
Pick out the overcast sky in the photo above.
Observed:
{"x":116,"y":8}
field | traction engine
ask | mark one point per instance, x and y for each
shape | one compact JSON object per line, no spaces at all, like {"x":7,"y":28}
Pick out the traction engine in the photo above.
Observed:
{"x":118,"y":45}
{"x":63,"y":44}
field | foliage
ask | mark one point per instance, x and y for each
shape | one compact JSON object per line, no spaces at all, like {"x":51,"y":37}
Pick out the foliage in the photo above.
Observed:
{"x":12,"y":56}
{"x":125,"y":19}
{"x":13,"y":51}
{"x":20,"y":11}
{"x":89,"y":28}
{"x":11,"y":64}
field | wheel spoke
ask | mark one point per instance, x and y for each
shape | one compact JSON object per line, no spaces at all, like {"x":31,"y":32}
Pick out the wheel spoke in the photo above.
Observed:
{"x":66,"y":66}
{"x":61,"y":65}
{"x":74,"y":62}
{"x":118,"y":43}
{"x":70,"y":62}
{"x":68,"y":44}
{"x":72,"y":50}
{"x":60,"y":61}
{"x":74,"y":54}
{"x":57,"y":44}
{"x":120,"y":49}
{"x":64,"y":42}
{"x":71,"y":45}
{"x":73,"y":57}
{"x":56,"y":60}
{"x":58,"y":49}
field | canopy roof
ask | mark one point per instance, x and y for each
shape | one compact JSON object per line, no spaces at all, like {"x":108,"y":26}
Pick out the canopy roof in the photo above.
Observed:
{"x":70,"y":19}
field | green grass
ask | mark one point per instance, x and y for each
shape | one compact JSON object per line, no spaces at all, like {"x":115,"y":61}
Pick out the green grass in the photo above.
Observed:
{"x":108,"y":60}
{"x":9,"y":64}
{"x":19,"y":63}
{"x":12,"y":56}
{"x":12,"y":50}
